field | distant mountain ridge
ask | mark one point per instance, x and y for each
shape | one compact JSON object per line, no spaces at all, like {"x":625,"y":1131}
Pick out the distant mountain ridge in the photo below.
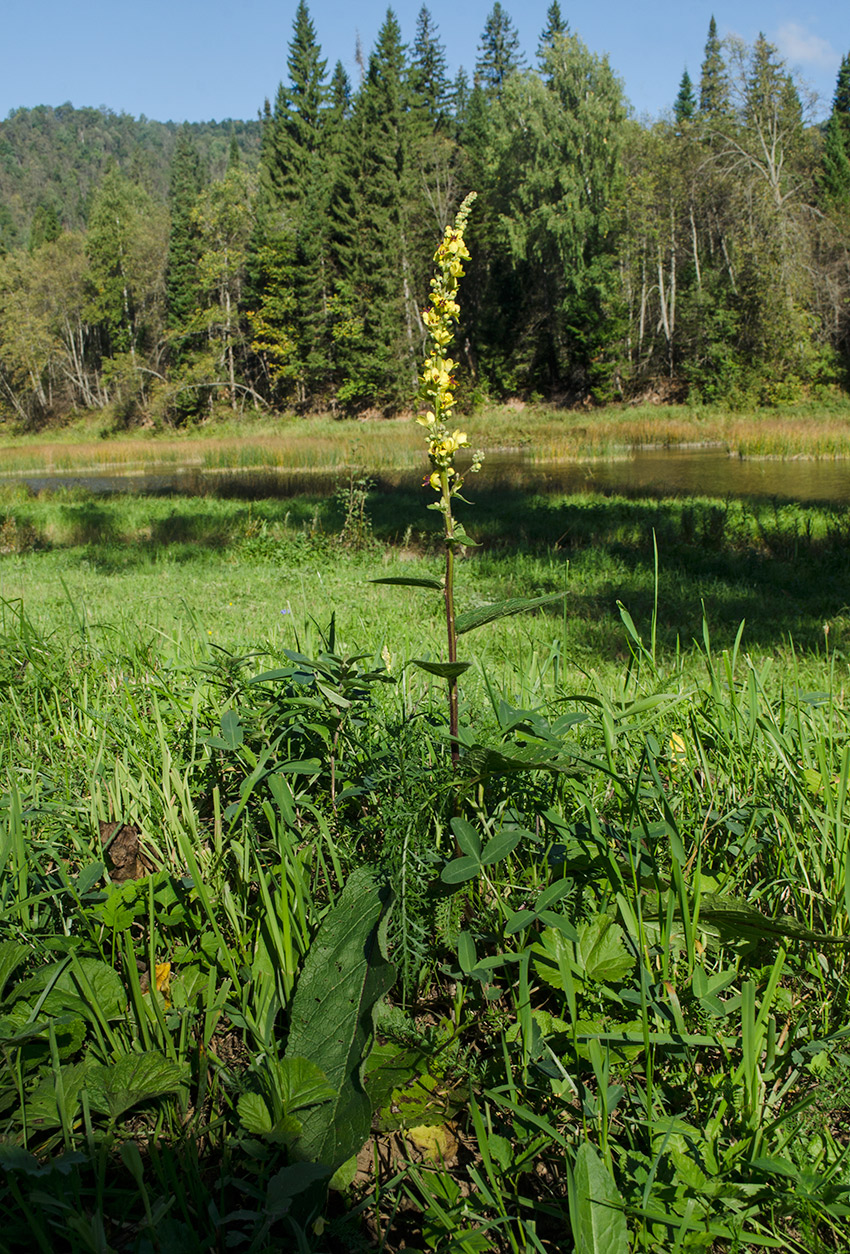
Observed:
{"x":53,"y":158}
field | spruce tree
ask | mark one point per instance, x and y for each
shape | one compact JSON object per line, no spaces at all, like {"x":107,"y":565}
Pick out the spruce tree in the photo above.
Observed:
{"x":376,"y":334}
{"x":428,"y":73}
{"x":841,"y":100}
{"x":713,"y":83}
{"x":288,"y":278}
{"x":183,"y":249}
{"x":499,"y":53}
{"x":291,"y":132}
{"x":685,"y":106}
{"x":835,"y":172}
{"x":460,"y":99}
{"x":339,"y":96}
{"x":555,"y":25}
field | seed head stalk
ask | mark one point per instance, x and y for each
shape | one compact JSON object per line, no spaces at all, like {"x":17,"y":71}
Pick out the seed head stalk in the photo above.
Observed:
{"x":436,"y":395}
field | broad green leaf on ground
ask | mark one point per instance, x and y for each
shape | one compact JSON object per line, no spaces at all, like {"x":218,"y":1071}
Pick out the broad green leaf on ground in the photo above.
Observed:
{"x":596,"y":1207}
{"x":11,"y":956}
{"x":602,"y":954}
{"x":301,"y":1083}
{"x":345,"y":974}
{"x":122,"y":905}
{"x":471,"y":619}
{"x":54,"y":1100}
{"x":256,"y":1118}
{"x":733,"y":920}
{"x":554,"y":957}
{"x":459,"y":870}
{"x":288,"y":1183}
{"x":132,"y":1079}
{"x":232,"y":732}
{"x":84,"y":986}
{"x":502,"y":844}
{"x":254,"y":1114}
{"x":391,"y":1067}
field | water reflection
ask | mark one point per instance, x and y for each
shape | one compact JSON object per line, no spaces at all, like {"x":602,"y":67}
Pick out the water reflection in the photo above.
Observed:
{"x":655,"y":472}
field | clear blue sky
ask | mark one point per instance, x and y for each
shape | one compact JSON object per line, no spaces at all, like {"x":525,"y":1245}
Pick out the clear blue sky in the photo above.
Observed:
{"x":201,"y":59}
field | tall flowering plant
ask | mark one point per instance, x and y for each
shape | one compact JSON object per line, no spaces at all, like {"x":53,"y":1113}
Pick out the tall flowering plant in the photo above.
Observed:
{"x":436,"y":403}
{"x":437,"y":400}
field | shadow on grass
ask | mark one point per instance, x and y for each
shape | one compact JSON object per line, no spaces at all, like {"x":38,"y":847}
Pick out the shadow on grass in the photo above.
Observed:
{"x":780,"y":565}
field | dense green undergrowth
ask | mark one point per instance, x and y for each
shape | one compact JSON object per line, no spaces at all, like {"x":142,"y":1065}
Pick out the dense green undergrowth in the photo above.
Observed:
{"x":272,"y":975}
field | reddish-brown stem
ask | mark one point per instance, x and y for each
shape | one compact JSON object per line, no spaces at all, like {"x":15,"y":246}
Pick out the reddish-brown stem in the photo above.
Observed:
{"x":449,"y":594}
{"x":452,"y":635}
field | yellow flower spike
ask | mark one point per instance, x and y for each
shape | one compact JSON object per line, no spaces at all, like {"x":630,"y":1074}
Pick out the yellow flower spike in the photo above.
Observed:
{"x":437,"y":377}
{"x":436,"y":396}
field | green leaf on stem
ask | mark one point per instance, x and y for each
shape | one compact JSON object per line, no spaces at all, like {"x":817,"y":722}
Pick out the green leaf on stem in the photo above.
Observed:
{"x":502,"y":609}
{"x":404,"y":581}
{"x":443,"y":670}
{"x":467,"y":837}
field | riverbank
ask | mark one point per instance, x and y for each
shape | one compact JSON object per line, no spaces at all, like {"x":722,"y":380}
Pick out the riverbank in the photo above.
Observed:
{"x":543,"y":433}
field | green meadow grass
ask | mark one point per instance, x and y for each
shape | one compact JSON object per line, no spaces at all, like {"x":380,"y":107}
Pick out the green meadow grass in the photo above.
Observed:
{"x":619,"y":1015}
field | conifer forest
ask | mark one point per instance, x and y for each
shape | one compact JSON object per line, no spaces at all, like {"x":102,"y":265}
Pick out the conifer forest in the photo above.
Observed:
{"x":167,"y":271}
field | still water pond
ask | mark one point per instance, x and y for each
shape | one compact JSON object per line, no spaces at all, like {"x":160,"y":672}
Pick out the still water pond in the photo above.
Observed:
{"x":683,"y":472}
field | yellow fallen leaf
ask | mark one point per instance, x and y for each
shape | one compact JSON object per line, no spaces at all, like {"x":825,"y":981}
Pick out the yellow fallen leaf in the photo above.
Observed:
{"x":678,"y":749}
{"x":437,"y":1144}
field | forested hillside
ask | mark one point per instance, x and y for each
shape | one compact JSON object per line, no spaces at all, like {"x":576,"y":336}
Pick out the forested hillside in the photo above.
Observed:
{"x":166,"y":271}
{"x":53,"y":160}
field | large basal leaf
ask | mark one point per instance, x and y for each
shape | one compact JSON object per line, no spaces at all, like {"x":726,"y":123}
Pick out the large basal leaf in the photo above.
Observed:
{"x":346,"y":973}
{"x":132,"y":1079}
{"x":55,"y":1099}
{"x":84,"y":986}
{"x":735,"y":920}
{"x":403,"y":581}
{"x":288,"y":1183}
{"x":596,"y":1207}
{"x":471,"y":619}
{"x":11,"y":956}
